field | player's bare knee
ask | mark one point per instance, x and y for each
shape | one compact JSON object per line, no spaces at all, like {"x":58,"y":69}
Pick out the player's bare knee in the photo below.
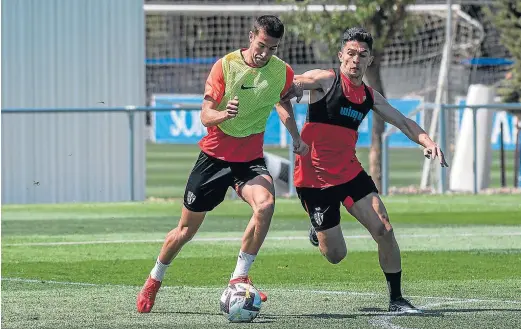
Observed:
{"x":264,"y":209}
{"x":379,"y":232}
{"x":336,"y":256}
{"x":385,"y":237}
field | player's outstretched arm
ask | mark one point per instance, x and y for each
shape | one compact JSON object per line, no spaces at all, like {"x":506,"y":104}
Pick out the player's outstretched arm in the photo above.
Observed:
{"x":409,"y":127}
{"x":287,"y":116}
{"x":210,"y":116}
{"x":311,"y":80}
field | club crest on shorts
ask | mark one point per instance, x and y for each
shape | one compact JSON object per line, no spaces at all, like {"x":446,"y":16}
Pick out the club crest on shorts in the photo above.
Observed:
{"x":318,"y":216}
{"x":190,"y":197}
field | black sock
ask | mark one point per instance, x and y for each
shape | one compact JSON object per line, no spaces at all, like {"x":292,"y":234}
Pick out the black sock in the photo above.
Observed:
{"x":394,"y":281}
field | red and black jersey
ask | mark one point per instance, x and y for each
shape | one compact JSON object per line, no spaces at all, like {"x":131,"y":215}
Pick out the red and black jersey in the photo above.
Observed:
{"x":331,"y":133}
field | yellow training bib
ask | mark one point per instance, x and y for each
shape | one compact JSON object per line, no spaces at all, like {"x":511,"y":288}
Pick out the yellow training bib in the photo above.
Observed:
{"x":258,"y":90}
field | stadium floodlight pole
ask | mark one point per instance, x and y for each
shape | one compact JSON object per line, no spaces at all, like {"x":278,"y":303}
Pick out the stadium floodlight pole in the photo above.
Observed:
{"x":438,"y":117}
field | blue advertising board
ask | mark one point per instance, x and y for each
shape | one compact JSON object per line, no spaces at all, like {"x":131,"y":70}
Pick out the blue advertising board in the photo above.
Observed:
{"x":184,"y":126}
{"x":499,"y":117}
{"x":510,"y":132}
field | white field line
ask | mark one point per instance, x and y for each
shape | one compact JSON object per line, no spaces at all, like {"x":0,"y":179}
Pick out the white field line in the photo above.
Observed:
{"x":312,"y":291}
{"x":277,"y":238}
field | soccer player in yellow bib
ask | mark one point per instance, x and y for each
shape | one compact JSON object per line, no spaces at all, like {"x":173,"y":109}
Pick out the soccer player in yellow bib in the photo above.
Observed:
{"x":240,"y":94}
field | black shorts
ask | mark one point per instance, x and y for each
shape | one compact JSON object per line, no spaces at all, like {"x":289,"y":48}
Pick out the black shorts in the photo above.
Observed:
{"x":210,"y":178}
{"x":323,"y":204}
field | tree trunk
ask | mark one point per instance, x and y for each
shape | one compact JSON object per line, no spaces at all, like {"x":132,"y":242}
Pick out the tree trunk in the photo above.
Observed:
{"x":374,"y":79}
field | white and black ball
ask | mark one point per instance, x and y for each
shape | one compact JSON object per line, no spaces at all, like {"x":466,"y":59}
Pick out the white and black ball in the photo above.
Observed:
{"x":240,"y":302}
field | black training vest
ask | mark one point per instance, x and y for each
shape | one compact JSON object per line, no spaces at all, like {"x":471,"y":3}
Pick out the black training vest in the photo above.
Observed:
{"x":336,"y":109}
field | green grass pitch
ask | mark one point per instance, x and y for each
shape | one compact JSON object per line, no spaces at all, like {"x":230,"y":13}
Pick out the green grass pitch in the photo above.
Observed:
{"x":168,"y":167}
{"x":81,"y":266}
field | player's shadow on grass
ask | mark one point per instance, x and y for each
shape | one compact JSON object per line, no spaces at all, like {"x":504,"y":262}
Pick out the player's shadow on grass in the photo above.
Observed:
{"x":314,"y":316}
{"x":188,"y":313}
{"x":260,"y":319}
{"x":375,"y":311}
{"x":473,"y":310}
{"x":440,"y":312}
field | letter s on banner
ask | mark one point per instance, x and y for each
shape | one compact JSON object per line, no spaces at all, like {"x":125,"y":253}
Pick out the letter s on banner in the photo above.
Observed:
{"x":178,"y":122}
{"x":186,"y":124}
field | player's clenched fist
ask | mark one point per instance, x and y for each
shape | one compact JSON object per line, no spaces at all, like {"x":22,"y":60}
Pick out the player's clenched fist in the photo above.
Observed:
{"x":232,"y":108}
{"x":295,"y":90}
{"x":300,"y":147}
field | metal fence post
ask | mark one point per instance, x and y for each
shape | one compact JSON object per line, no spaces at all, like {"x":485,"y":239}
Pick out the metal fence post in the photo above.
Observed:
{"x":517,"y":158}
{"x":475,"y":149}
{"x":442,"y":187}
{"x":131,"y":144}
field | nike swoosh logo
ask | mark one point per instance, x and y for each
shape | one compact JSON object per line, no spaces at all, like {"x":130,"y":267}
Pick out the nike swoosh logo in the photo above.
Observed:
{"x":243,"y":87}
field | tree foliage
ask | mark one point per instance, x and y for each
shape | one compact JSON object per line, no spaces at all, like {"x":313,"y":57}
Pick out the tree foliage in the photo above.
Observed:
{"x":506,"y":16}
{"x":382,"y":18}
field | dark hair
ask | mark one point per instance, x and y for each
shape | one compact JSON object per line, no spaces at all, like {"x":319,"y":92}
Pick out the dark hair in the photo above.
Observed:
{"x":271,"y":25}
{"x":357,"y":34}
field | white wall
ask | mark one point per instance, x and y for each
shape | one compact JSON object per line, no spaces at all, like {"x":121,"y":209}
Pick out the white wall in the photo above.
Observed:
{"x":71,"y":53}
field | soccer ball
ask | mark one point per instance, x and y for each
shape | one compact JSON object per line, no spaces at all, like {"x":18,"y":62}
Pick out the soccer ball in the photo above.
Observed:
{"x":240,"y":302}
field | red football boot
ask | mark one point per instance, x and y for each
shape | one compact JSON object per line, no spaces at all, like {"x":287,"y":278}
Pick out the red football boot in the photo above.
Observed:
{"x":147,"y":295}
